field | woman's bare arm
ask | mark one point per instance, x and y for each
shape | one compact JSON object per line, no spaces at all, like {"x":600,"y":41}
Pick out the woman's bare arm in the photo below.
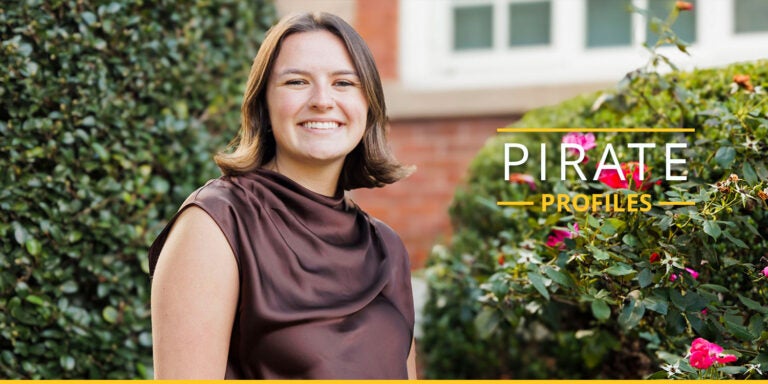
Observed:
{"x":194,"y":298}
{"x":411,"y":364}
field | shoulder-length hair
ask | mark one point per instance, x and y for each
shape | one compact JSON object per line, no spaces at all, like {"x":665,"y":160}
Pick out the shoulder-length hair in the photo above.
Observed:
{"x":370,"y":164}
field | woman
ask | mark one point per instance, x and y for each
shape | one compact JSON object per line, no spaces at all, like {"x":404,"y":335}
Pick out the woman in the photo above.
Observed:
{"x":269,"y":271}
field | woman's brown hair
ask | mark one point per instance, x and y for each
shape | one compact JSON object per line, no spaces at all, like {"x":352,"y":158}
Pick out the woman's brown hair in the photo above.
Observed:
{"x":370,"y":164}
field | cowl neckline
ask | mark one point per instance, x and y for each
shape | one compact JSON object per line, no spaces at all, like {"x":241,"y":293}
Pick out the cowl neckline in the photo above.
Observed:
{"x":333,"y":219}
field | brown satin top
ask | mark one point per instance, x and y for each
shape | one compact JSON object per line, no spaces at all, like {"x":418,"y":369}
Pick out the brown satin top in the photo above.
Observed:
{"x":325,"y":289}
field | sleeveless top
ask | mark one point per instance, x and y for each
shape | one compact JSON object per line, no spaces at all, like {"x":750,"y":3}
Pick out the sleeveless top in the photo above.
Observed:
{"x":325,"y":289}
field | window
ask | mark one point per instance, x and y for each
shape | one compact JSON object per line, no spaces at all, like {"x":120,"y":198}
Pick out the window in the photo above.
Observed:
{"x":750,"y":16}
{"x":684,"y":26}
{"x":529,"y":23}
{"x":609,"y":23}
{"x":499,"y":24}
{"x":473,"y":27}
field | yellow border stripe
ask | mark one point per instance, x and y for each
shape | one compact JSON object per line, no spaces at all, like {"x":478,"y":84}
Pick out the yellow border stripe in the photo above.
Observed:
{"x":635,"y":130}
{"x":514,"y":203}
{"x":675,"y":203}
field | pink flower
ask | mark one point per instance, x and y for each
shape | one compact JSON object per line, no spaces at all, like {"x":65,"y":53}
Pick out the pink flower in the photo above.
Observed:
{"x":765,"y":271}
{"x":704,"y":354}
{"x":612,"y":179}
{"x":704,"y":312}
{"x":693,"y":273}
{"x":521,"y":178}
{"x":585,"y":141}
{"x":672,"y":277}
{"x":558,"y":236}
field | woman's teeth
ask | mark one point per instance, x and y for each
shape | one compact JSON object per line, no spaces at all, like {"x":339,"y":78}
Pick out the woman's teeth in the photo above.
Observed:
{"x":320,"y":125}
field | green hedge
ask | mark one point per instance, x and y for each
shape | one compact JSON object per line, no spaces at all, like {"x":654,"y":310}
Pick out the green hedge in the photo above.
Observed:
{"x":503,"y":304}
{"x":110,"y":112}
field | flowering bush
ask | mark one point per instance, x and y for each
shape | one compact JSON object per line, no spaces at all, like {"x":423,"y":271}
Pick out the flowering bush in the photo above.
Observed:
{"x":526,"y":292}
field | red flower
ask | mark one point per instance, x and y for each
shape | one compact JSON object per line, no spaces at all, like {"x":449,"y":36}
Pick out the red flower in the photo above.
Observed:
{"x":558,"y":236}
{"x":684,"y":5}
{"x":704,"y":354}
{"x":654,"y":257}
{"x":500,"y":260}
{"x":612,"y":178}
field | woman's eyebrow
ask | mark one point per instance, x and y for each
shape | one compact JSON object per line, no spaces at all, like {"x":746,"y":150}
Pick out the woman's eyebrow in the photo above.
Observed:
{"x":295,"y":71}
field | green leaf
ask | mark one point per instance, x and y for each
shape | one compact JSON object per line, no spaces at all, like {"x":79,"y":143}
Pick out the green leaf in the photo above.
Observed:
{"x":612,"y":225}
{"x":88,"y":17}
{"x":557,"y":276}
{"x":630,"y":240}
{"x":737,"y":242}
{"x":109,"y":314}
{"x":601,"y":310}
{"x":749,"y":173}
{"x":486,"y":322}
{"x":677,"y":298}
{"x":33,"y":246}
{"x":538,"y":283}
{"x":631,"y":314}
{"x":715,"y":287}
{"x":598,"y":253}
{"x":645,"y":277}
{"x":732,"y":370}
{"x":592,"y":221}
{"x":69,"y":287}
{"x":619,"y":269}
{"x":711,"y":228}
{"x":67,"y":362}
{"x":753,"y":305}
{"x":36,"y":300}
{"x":656,"y":304}
{"x":741,"y":332}
{"x":19,"y":233}
{"x":724,"y":156}
{"x":100,"y":151}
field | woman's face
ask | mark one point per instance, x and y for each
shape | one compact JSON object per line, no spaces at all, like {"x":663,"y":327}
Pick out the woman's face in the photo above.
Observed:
{"x":316,"y":103}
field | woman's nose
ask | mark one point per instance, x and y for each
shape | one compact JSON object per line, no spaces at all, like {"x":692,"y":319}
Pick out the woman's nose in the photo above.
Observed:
{"x":321,"y":98}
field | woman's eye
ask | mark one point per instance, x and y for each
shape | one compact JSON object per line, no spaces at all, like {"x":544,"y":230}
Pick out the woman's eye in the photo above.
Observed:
{"x":295,"y":82}
{"x":345,"y":83}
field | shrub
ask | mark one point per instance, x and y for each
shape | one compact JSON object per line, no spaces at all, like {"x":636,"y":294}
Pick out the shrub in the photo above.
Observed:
{"x":105,"y":127}
{"x":628,"y":292}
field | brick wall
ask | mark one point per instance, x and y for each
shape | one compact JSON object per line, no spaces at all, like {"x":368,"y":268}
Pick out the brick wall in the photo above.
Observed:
{"x":441,"y":149}
{"x":376,"y":21}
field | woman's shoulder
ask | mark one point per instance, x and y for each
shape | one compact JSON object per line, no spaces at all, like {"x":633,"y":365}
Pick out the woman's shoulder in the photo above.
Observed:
{"x":224,"y":192}
{"x":389,"y":238}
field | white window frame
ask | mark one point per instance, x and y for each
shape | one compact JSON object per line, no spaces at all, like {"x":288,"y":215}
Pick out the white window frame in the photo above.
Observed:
{"x":429,"y":62}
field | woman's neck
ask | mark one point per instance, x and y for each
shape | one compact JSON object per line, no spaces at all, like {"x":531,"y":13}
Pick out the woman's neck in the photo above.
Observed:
{"x":322,"y":179}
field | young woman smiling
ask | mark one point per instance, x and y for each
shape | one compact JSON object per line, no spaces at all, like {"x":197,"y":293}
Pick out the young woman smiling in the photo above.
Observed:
{"x":270,"y":271}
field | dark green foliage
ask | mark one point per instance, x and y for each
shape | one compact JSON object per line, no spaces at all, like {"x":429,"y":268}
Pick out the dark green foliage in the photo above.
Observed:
{"x":109,"y":114}
{"x":503,"y":304}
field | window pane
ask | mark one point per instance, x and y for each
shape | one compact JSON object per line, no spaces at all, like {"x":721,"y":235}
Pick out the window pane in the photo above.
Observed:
{"x":609,"y":23}
{"x":529,"y":23}
{"x":751,"y":16}
{"x":684,"y":26}
{"x":472,"y":27}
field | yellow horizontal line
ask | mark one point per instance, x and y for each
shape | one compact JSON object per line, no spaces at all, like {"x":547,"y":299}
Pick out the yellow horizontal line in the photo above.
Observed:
{"x":513,"y":203}
{"x":675,"y":203}
{"x":636,"y":130}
